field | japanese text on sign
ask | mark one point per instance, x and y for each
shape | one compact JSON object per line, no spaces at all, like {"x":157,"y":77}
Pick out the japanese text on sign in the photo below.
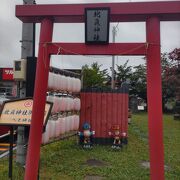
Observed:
{"x":97,"y":25}
{"x":19,"y":112}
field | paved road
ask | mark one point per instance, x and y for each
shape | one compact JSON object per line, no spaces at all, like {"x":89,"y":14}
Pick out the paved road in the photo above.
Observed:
{"x":4,"y":143}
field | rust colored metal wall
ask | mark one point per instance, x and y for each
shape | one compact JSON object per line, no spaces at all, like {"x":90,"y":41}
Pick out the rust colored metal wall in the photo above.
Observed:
{"x":103,"y":109}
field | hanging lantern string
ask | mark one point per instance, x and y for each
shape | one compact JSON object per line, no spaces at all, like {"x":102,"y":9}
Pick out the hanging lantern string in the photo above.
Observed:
{"x":121,"y":53}
{"x":60,"y":49}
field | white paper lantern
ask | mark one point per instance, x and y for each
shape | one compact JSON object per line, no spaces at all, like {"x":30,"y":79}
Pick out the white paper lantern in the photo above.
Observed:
{"x":62,"y":125}
{"x":45,"y":135}
{"x":70,"y":88}
{"x":75,"y":88}
{"x":53,"y":81}
{"x":56,"y":104}
{"x":56,"y":81}
{"x":68,"y":104}
{"x":60,"y":82}
{"x":73,"y":84}
{"x":76,"y":122}
{"x":64,"y":104}
{"x":64,"y":83}
{"x":71,"y":104}
{"x":78,"y":82}
{"x":69,"y":84}
{"x":57,"y":128}
{"x":71,"y":123}
{"x":67,"y":124}
{"x":52,"y":126}
{"x":50,"y":81}
{"x":60,"y":104}
{"x":77,"y":104}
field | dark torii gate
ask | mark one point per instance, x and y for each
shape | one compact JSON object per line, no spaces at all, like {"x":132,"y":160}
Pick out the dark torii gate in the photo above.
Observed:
{"x":151,"y":13}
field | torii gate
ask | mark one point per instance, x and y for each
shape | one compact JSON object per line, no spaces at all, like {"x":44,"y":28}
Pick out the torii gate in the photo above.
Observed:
{"x":151,"y":13}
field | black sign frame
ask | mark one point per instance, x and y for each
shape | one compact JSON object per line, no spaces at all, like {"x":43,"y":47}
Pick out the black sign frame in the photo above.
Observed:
{"x":105,"y":42}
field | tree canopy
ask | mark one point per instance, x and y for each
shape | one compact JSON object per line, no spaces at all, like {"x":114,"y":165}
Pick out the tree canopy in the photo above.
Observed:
{"x":136,"y":76}
{"x":93,"y":76}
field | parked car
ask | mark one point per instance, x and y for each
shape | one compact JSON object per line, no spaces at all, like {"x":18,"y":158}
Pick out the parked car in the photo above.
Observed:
{"x":3,"y":129}
{"x":6,"y":95}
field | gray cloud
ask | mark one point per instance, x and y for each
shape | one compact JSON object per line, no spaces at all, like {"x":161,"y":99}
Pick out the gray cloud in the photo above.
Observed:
{"x":10,"y":34}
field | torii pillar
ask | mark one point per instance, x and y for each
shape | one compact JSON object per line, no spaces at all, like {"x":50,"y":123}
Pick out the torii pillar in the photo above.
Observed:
{"x":39,"y":101}
{"x":154,"y":97}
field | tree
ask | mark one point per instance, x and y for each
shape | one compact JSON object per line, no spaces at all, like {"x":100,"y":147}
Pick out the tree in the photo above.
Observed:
{"x":175,"y":71}
{"x":167,"y":90}
{"x":93,"y":76}
{"x":174,"y":56}
{"x":124,"y":72}
{"x":171,"y":74}
{"x":138,"y":82}
{"x":136,"y":77}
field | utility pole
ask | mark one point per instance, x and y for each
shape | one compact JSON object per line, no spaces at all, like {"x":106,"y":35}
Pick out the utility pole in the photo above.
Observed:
{"x":113,"y":57}
{"x":27,"y":50}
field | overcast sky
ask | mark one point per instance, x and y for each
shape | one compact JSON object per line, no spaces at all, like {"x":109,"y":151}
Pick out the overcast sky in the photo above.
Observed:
{"x":10,"y":35}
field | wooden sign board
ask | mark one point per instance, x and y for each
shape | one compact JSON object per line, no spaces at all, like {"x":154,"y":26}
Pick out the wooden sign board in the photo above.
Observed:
{"x":18,"y":112}
{"x":97,"y":25}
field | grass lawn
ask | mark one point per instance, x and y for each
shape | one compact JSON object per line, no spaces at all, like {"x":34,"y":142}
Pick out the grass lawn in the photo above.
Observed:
{"x":67,"y":161}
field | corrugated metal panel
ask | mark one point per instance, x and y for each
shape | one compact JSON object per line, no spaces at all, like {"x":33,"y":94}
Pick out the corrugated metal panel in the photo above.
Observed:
{"x":103,"y":109}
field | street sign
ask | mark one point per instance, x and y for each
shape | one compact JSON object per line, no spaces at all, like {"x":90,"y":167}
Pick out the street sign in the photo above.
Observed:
{"x":6,"y":74}
{"x":18,"y":112}
{"x":97,"y":25}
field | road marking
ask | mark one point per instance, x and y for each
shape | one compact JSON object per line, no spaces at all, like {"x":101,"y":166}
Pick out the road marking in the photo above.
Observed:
{"x":4,"y":149}
{"x":6,"y":144}
{"x":6,"y":153}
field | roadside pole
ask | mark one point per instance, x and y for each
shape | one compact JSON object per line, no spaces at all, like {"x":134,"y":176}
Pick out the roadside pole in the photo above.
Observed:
{"x":113,"y":58}
{"x":28,"y":32}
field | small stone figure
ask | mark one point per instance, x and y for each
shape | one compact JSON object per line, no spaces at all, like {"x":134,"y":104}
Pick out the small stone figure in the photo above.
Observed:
{"x":115,"y":133}
{"x":86,"y":135}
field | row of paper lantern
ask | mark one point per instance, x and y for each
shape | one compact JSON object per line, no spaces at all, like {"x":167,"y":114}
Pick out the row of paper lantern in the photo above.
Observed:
{"x":63,"y":83}
{"x":64,"y":104}
{"x":59,"y":127}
